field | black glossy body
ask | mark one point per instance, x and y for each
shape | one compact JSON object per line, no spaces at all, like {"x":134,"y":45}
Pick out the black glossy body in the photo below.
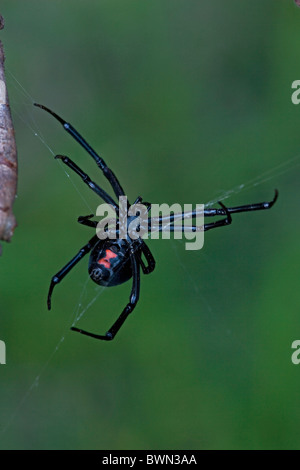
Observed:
{"x":113,"y":262}
{"x":109,"y":263}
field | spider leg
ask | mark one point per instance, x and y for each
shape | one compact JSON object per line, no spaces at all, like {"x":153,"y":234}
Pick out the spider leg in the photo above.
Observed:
{"x":156,"y":223}
{"x":85,"y":220}
{"x":219,"y":223}
{"x":149,"y":257}
{"x":158,"y":227}
{"x":86,"y":179}
{"x":108,"y":173}
{"x":134,"y":297}
{"x":67,"y":268}
{"x":246,"y":208}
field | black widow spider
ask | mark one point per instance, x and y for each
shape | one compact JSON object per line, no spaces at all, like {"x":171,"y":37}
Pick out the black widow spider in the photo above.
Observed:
{"x":115,"y":261}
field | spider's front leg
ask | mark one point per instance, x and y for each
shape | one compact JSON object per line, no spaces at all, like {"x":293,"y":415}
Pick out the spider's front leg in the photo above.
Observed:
{"x":108,"y":173}
{"x":87,"y":180}
{"x":134,"y":297}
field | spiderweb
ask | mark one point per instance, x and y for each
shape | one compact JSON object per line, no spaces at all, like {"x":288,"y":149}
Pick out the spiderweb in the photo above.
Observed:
{"x":28,"y":117}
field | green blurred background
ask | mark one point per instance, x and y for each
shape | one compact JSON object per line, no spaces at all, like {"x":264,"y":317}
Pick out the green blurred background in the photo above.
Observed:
{"x":185,"y":100}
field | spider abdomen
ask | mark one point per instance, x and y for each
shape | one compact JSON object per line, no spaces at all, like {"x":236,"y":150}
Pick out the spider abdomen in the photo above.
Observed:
{"x":109,"y":264}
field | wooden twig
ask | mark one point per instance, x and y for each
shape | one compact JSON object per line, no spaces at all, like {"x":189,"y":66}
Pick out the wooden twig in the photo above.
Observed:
{"x":8,"y":157}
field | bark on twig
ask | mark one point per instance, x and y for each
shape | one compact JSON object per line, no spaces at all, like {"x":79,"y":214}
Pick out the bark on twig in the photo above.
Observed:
{"x":8,"y":157}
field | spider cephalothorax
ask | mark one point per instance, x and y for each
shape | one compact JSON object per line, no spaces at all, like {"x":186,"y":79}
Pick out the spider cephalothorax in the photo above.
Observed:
{"x":115,"y":261}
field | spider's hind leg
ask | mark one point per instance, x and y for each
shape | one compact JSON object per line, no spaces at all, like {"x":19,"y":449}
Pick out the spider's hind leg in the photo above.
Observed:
{"x":222,"y":222}
{"x":70,"y":265}
{"x":133,"y":300}
{"x":149,"y":258}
